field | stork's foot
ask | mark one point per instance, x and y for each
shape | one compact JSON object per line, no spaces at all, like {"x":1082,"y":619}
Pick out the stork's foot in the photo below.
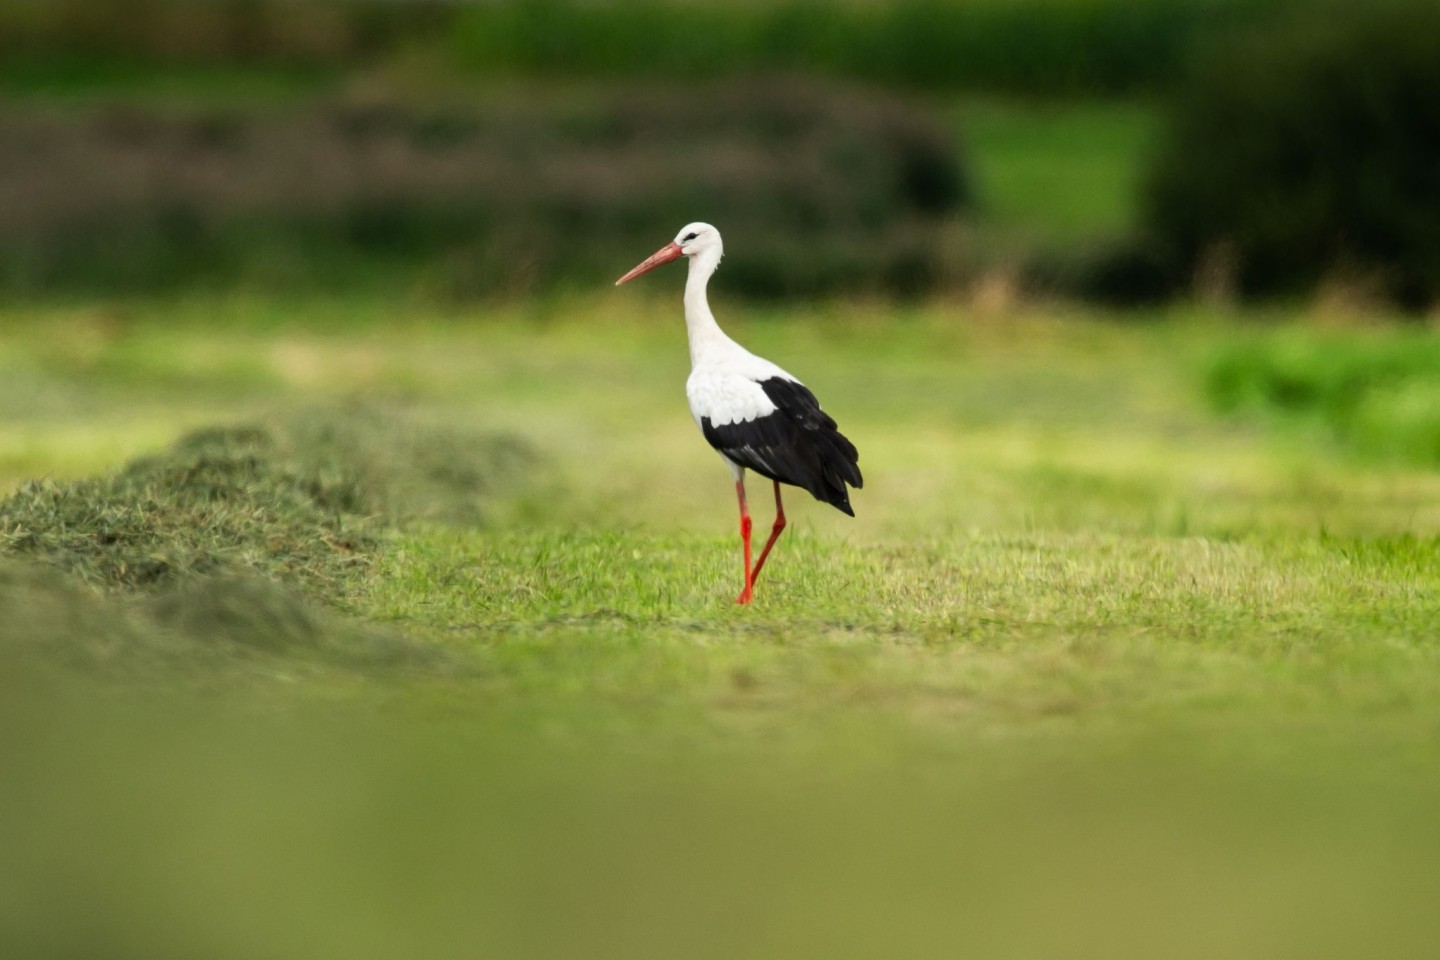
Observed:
{"x":746,"y":596}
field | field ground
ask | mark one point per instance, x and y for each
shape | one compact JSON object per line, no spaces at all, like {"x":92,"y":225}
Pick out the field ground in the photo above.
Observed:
{"x":1094,"y":672}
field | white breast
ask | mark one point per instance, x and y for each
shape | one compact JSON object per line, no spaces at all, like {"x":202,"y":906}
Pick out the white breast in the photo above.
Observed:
{"x":726,"y":389}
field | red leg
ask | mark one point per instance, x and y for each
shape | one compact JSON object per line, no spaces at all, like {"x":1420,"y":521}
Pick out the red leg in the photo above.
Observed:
{"x":774,"y":535}
{"x":748,"y":593}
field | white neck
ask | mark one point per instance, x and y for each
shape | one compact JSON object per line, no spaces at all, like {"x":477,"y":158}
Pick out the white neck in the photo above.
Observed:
{"x":700,"y":323}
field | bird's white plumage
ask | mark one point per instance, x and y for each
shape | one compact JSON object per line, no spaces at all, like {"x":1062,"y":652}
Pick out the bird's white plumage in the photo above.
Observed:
{"x":725,"y":385}
{"x":754,"y":414}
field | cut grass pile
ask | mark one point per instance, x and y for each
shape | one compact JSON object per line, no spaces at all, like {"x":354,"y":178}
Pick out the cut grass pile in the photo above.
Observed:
{"x":303,"y":503}
{"x":235,"y":537}
{"x":218,"y":502}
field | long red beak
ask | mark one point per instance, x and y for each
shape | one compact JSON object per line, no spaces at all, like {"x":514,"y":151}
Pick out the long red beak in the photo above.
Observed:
{"x":665,"y":254}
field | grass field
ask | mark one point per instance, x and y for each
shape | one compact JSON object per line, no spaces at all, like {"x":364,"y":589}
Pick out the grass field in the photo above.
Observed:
{"x":1094,"y":672}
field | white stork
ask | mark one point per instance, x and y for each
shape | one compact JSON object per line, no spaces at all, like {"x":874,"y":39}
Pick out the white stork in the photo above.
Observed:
{"x":754,"y":414}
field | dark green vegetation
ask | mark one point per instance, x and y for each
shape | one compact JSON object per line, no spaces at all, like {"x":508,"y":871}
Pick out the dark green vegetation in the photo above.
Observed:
{"x":1088,"y":653}
{"x":820,"y":189}
{"x":1307,"y":154}
{"x":1042,"y":47}
{"x":460,"y":148}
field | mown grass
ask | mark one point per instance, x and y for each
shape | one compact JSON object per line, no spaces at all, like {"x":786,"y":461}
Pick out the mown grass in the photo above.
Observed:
{"x":1094,"y":670}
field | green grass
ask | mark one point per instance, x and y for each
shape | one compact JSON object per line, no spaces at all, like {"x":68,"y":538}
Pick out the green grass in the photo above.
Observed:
{"x":1095,"y":671}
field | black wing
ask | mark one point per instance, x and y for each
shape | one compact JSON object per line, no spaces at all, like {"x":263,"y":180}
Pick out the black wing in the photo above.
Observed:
{"x":798,"y":444}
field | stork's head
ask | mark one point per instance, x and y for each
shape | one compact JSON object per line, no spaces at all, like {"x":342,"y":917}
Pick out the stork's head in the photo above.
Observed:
{"x":693,"y":240}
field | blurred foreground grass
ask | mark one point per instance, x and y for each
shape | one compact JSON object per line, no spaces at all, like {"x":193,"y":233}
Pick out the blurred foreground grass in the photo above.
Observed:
{"x":1094,"y":672}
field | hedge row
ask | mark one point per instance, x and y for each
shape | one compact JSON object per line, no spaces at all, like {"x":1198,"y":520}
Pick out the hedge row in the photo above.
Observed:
{"x":1308,"y":153}
{"x":1029,"y":46}
{"x":818,"y":189}
{"x":1025,"y":46}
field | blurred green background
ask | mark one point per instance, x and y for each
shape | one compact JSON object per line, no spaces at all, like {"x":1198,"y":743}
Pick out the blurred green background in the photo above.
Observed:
{"x":1119,"y":151}
{"x":365,"y":591}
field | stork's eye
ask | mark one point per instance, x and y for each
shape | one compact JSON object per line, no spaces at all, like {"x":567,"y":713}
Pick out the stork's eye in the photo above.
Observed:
{"x":688,"y":237}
